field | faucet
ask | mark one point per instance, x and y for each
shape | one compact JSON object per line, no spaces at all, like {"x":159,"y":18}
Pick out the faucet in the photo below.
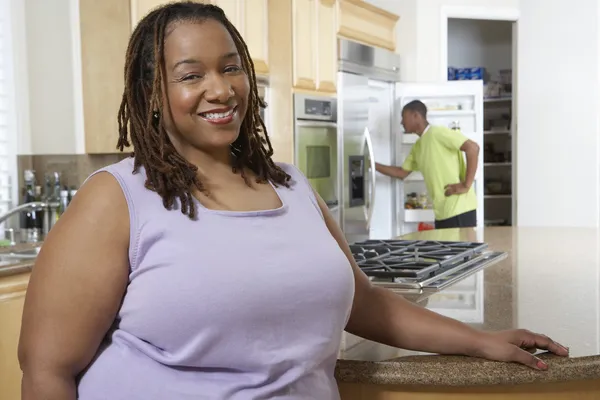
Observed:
{"x":32,"y":206}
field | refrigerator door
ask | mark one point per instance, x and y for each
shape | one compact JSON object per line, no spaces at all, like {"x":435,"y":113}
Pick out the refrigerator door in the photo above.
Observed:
{"x":453,"y":104}
{"x":358,"y":163}
{"x":381,"y":120}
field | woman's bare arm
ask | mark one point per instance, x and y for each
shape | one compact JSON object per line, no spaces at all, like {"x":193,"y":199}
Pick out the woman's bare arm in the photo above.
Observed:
{"x":379,"y":314}
{"x":75,"y":290}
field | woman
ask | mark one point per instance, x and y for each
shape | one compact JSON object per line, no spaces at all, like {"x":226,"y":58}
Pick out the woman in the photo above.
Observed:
{"x":199,"y":268}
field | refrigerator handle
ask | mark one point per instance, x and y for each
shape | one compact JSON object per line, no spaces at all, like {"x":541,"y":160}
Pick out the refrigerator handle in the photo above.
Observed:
{"x":373,"y":177}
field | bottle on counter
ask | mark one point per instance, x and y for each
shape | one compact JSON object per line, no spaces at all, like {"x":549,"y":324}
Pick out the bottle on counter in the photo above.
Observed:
{"x":72,"y":193}
{"x":63,"y":203}
{"x":31,"y":219}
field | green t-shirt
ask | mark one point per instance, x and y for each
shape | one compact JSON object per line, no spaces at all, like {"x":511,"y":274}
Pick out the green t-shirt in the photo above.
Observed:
{"x":437,"y":155}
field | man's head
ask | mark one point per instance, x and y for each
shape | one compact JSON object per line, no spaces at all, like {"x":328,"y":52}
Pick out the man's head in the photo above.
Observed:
{"x":414,"y":117}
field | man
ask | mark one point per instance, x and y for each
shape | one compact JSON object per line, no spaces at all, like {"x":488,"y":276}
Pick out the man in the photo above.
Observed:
{"x":437,"y":154}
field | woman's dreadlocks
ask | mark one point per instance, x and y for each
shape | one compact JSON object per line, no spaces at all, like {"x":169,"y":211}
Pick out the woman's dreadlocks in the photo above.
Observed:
{"x":168,"y":173}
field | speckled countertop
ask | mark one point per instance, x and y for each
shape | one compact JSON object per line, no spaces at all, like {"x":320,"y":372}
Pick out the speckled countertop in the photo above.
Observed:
{"x":550,"y":283}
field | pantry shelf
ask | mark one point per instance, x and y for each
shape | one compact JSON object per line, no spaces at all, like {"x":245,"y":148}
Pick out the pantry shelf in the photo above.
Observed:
{"x":496,"y":99}
{"x":419,"y":215}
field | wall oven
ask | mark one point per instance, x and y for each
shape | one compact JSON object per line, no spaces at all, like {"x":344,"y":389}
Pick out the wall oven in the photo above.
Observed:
{"x":316,"y":148}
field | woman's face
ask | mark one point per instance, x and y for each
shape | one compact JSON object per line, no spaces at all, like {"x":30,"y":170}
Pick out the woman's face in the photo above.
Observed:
{"x":206,"y":87}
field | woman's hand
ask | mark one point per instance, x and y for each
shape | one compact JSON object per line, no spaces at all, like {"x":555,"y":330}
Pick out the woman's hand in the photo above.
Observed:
{"x":517,"y":346}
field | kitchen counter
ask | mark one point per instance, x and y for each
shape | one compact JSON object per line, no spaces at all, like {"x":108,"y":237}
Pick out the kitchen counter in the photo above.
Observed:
{"x":549,"y":283}
{"x":18,"y":267}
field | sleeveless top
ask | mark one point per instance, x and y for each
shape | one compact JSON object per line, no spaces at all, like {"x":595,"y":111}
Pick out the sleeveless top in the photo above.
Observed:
{"x":232,"y":305}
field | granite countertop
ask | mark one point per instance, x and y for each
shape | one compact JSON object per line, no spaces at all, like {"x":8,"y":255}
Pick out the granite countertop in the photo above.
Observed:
{"x":550,"y":283}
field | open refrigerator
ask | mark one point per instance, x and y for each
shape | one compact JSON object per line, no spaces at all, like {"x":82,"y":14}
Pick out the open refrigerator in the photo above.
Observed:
{"x":369,"y":103}
{"x":455,"y":104}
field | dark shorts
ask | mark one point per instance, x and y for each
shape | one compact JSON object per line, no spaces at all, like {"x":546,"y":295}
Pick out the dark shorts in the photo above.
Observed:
{"x":465,"y":220}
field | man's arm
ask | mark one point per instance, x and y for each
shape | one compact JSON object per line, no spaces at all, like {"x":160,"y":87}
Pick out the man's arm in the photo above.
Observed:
{"x":471,"y":150}
{"x":394,"y":172}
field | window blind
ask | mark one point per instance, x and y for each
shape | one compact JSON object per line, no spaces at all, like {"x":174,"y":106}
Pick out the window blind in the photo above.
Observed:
{"x":8,"y":157}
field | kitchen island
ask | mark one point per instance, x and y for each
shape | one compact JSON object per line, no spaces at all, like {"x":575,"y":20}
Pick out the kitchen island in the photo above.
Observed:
{"x":549,"y":283}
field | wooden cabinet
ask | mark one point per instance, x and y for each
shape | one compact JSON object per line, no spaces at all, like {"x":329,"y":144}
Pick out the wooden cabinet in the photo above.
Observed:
{"x":327,"y":49}
{"x":316,"y":27}
{"x":314,"y":45}
{"x":251,"y":19}
{"x":102,"y":63}
{"x":248,"y":16}
{"x":363,"y":22}
{"x":304,"y":37}
{"x":12,"y":298}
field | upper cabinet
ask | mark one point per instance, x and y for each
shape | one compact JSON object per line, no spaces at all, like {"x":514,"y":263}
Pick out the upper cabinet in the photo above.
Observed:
{"x":363,"y":22}
{"x":314,"y":45}
{"x":248,"y":16}
{"x":251,"y":20}
{"x":102,"y":62}
{"x":316,"y":26}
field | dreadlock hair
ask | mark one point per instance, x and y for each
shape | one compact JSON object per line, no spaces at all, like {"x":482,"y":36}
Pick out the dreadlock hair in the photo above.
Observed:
{"x":140,"y":113}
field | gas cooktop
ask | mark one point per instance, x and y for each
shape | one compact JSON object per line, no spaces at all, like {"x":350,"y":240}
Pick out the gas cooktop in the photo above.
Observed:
{"x":421,"y":264}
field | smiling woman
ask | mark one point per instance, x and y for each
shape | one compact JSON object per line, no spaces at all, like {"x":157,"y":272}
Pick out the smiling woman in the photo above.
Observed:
{"x":211,"y":101}
{"x":199,"y":268}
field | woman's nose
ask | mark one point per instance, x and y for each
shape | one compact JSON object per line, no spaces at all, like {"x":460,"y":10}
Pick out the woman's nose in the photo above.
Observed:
{"x":218,"y":89}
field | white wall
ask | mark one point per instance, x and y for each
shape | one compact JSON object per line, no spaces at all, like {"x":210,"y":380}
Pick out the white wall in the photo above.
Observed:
{"x":49,"y":32}
{"x":480,"y":43}
{"x":558,"y":114}
{"x":406,"y":34}
{"x":419,"y":36}
{"x":19,"y":52}
{"x":47,"y":76}
{"x":429,"y":32}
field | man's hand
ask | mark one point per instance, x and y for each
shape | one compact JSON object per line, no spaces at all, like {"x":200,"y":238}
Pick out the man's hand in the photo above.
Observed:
{"x":457,"y":188}
{"x":517,"y":346}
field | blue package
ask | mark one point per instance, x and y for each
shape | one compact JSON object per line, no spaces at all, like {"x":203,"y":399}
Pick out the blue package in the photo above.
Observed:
{"x":476,"y":73}
{"x":463,"y":74}
{"x":451,"y":73}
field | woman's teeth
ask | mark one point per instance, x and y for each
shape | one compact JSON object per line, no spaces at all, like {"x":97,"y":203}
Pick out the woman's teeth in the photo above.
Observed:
{"x":217,"y":115}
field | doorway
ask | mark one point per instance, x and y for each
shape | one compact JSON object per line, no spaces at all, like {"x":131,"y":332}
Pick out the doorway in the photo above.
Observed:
{"x":482,"y":44}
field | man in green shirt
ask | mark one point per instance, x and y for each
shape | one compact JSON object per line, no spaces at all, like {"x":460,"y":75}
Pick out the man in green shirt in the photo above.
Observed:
{"x":437,"y":154}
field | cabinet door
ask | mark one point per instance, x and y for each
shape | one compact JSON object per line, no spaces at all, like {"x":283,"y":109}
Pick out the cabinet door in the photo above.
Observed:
{"x":139,"y":8}
{"x":250,"y":18}
{"x":102,"y":60}
{"x":256,"y":33}
{"x":327,"y":46}
{"x":234,"y":11}
{"x":363,"y":22}
{"x":11,"y":309}
{"x":304,"y":44}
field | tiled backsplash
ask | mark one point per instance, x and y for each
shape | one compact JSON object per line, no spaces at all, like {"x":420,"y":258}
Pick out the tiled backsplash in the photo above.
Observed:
{"x":74,"y":169}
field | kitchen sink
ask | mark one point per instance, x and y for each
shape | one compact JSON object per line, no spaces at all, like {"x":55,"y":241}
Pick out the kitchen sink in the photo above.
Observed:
{"x":19,"y":256}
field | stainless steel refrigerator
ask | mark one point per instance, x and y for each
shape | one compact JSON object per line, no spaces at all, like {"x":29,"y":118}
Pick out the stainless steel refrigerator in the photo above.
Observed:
{"x":367,"y":127}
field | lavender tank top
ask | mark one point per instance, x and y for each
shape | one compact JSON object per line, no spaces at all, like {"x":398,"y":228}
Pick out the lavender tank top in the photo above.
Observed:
{"x":233,"y":305}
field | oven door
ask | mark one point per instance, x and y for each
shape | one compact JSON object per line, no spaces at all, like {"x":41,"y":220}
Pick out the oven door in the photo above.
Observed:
{"x":317,"y":158}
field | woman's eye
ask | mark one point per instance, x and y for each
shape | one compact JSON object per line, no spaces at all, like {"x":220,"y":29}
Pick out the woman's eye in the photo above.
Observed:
{"x":232,"y":68}
{"x":191,"y":77}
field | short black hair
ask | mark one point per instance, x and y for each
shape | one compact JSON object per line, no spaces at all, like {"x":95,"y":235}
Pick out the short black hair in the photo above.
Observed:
{"x":417,"y":106}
